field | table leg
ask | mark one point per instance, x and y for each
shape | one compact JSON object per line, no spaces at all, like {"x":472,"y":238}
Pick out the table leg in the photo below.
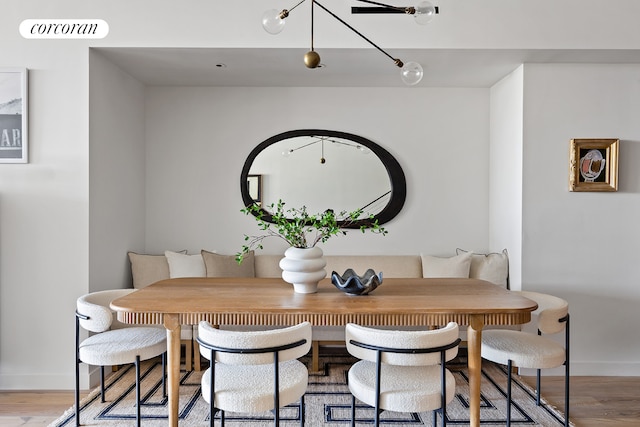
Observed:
{"x":172,"y":324}
{"x":474,"y":340}
{"x":315,"y":356}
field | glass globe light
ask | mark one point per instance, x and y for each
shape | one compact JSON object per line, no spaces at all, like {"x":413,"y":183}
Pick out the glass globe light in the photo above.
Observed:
{"x":425,"y":12}
{"x":272,"y":22}
{"x":411,"y":73}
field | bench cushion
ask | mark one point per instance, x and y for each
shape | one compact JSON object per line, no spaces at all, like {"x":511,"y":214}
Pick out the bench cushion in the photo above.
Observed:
{"x":217,"y":265}
{"x":390,"y":265}
{"x":492,"y":267}
{"x":455,"y":266}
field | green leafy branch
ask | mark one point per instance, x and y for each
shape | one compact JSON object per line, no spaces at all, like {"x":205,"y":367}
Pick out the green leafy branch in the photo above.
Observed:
{"x":301,"y":229}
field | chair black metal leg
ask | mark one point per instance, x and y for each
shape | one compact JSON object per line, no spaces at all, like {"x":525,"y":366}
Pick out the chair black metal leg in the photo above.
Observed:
{"x":302,"y":414}
{"x":212,"y":417}
{"x":102,"y":392}
{"x":443,"y":387}
{"x":435,"y":418}
{"x":77,"y":392}
{"x":377,"y":420}
{"x":212,"y":391}
{"x":566,"y":393}
{"x":77,"y":397}
{"x":444,"y":415}
{"x":509,"y":367}
{"x":378,"y":380}
{"x":164,"y":374}
{"x":221,"y":418}
{"x":276,"y":390}
{"x":138,"y":391}
{"x":566,"y":372}
{"x":353,"y":411}
{"x":538,"y":386}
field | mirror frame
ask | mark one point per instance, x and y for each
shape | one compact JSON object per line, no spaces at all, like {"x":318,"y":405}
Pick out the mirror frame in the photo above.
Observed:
{"x":394,"y":170}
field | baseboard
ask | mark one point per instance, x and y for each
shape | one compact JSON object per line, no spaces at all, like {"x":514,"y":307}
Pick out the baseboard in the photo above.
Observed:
{"x":591,"y":369}
{"x":605,"y":369}
{"x":37,"y":382}
{"x":89,"y":378}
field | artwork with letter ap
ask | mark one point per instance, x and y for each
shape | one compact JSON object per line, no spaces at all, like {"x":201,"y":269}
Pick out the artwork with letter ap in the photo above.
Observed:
{"x":593,"y":165}
{"x":13,"y":115}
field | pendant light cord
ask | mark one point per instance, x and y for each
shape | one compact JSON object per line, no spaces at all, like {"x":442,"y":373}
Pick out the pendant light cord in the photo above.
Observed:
{"x":312,"y":3}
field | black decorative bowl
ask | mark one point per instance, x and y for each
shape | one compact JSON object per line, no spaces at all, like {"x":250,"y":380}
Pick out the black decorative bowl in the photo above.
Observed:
{"x":352,"y":284}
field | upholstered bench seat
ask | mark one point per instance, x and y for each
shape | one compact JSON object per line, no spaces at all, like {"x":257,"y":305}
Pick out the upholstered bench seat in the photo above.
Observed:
{"x":147,"y":269}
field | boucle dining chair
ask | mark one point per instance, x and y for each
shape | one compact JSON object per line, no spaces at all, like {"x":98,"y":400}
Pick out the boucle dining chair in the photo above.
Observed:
{"x":530,"y":350}
{"x":254,"y":371}
{"x":114,"y":343}
{"x":402,"y":371}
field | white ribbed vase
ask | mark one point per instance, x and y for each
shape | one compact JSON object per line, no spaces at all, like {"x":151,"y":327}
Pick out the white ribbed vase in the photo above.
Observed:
{"x":303,"y":268}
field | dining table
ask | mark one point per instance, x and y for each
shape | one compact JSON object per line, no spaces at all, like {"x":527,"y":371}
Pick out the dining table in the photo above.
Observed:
{"x":397,"y":302}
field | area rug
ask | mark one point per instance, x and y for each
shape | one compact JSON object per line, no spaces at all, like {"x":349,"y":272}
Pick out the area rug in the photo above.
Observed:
{"x":328,"y":401}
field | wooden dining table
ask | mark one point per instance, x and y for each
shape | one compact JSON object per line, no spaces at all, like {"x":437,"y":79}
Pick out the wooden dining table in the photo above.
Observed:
{"x":272,"y":302}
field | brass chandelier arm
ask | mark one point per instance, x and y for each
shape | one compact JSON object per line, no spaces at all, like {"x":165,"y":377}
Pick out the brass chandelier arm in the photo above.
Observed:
{"x":411,"y":73}
{"x":285,"y":12}
{"x":397,"y":61}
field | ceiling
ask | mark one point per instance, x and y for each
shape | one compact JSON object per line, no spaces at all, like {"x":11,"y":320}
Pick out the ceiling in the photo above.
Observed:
{"x":283,"y":67}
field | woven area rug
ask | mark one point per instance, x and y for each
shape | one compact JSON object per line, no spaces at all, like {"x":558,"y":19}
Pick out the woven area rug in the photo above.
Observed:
{"x":327,"y":401}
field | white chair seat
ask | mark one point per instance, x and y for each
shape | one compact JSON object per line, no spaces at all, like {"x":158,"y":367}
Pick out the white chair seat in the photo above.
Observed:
{"x":403,"y":388}
{"x":120,"y":346}
{"x":113,"y":342}
{"x":534,"y":351}
{"x":524,"y":349}
{"x":249,"y":388}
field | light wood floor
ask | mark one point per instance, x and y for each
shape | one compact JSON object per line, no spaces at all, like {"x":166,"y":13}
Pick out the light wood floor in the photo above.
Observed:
{"x":595,"y":402}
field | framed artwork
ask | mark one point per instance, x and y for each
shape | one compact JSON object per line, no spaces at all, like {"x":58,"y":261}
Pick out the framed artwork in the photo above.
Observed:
{"x":254,"y":185}
{"x":593,"y":165}
{"x":13,"y":115}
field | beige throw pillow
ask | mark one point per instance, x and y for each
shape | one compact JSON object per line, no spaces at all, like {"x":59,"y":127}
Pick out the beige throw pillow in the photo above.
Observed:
{"x":217,"y":265}
{"x":492,"y":267}
{"x":147,"y":269}
{"x":455,"y":266}
{"x":183,"y":265}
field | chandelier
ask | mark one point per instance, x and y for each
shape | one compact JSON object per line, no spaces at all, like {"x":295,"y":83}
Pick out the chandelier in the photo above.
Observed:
{"x":322,"y":139}
{"x":411,"y":72}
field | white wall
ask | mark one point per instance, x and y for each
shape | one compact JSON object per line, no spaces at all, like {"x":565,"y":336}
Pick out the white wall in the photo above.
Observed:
{"x":198,"y":139}
{"x":583,"y":246}
{"x":45,"y":234}
{"x":116,"y":173}
{"x":505,"y":171}
{"x":44,"y":260}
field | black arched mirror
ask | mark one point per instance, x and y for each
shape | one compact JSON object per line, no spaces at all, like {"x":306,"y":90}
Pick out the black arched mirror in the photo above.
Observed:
{"x":324,"y":169}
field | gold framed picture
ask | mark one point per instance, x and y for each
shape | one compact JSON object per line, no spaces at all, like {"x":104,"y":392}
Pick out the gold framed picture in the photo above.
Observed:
{"x":593,"y":165}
